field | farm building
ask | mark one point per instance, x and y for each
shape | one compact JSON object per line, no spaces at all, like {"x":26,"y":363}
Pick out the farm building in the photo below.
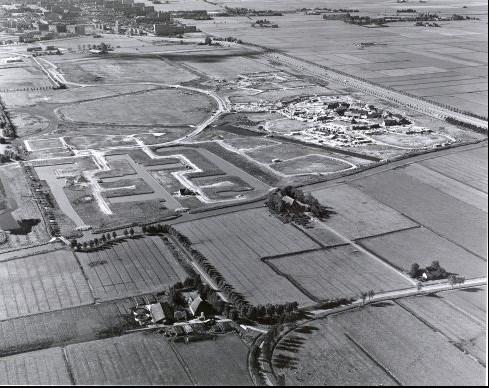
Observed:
{"x":199,"y":307}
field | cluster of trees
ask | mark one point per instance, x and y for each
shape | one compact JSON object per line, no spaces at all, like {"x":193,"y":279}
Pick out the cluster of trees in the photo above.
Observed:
{"x":332,"y":303}
{"x":8,"y":129}
{"x":367,"y":296}
{"x":463,"y":124}
{"x":307,"y":201}
{"x":431,"y":272}
{"x":98,"y":242}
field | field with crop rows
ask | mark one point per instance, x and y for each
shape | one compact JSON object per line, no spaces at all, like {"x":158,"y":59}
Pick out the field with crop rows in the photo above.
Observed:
{"x":134,"y":359}
{"x":472,"y":300}
{"x":383,"y":333}
{"x":468,"y":167}
{"x":57,"y":328}
{"x":339,"y":272}
{"x":40,"y":283}
{"x":130,"y":267}
{"x":420,"y":245}
{"x":235,"y":242}
{"x":44,"y":367}
{"x":220,"y":362}
{"x":465,"y":330}
{"x":451,"y":218}
{"x":357,"y":215}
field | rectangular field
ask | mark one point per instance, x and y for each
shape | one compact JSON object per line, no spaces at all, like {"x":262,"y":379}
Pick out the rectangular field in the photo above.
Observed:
{"x":44,"y":367}
{"x":57,"y":328}
{"x":338,"y":272}
{"x":41,"y":283}
{"x":225,"y":362}
{"x":468,"y":167}
{"x":457,"y":221}
{"x":130,"y":267}
{"x":465,"y":330}
{"x":325,"y":356}
{"x":236,"y":242}
{"x":356,"y":215}
{"x":134,"y":359}
{"x":420,"y":245}
{"x":472,"y":300}
{"x":383,"y":330}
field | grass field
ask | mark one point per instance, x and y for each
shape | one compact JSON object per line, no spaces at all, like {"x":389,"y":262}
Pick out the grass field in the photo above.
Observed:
{"x":119,"y":70}
{"x":41,"y":283}
{"x":150,"y":108}
{"x":131,"y":267}
{"x":420,"y":245}
{"x":466,"y":331}
{"x":234,"y":243}
{"x":356,"y":215}
{"x":338,"y":272}
{"x":451,"y":218}
{"x":370,"y":337}
{"x":44,"y":367}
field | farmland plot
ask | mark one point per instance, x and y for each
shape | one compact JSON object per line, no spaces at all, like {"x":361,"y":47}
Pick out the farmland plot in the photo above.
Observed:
{"x":464,"y":330}
{"x":235,"y":242}
{"x":420,"y":245}
{"x":378,"y":332}
{"x":338,"y":272}
{"x":356,"y":215}
{"x":131,"y":267}
{"x":467,"y":167}
{"x":40,"y":283}
{"x":447,"y":216}
{"x":472,"y":300}
{"x":228,"y":353}
{"x":448,"y":186}
{"x":134,"y":359}
{"x":322,"y":355}
{"x":44,"y":367}
{"x":57,"y":328}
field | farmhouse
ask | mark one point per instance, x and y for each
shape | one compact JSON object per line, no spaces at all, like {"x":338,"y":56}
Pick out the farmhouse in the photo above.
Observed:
{"x":199,"y":307}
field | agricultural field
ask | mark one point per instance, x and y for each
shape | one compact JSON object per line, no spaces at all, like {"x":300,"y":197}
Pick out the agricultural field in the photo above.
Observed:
{"x":357,"y":215}
{"x":23,"y":76}
{"x":235,"y":243}
{"x":131,"y":267}
{"x":142,"y":358}
{"x":135,"y":359}
{"x":44,"y":367}
{"x":40,"y":283}
{"x":61,"y":327}
{"x":472,"y":300}
{"x":463,"y":224}
{"x":357,"y":338}
{"x":338,"y":272}
{"x":422,"y":246}
{"x":463,"y":329}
